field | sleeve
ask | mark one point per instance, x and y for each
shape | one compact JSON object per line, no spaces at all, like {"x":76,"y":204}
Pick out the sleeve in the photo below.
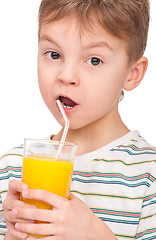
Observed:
{"x":3,"y":192}
{"x":10,"y":168}
{"x":147,"y":223}
{"x":3,"y":229}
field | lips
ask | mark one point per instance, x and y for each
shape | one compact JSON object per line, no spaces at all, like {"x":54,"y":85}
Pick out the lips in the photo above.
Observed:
{"x":67,"y":102}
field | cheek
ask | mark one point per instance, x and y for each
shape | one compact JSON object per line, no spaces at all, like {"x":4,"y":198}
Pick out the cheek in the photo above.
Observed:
{"x":105,"y":93}
{"x":41,"y":76}
{"x":43,"y":81}
{"x":106,"y":89}
{"x":44,"y":87}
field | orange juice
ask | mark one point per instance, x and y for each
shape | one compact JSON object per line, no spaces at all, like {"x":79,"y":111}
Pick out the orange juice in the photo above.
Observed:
{"x":47,"y":174}
{"x":41,"y":169}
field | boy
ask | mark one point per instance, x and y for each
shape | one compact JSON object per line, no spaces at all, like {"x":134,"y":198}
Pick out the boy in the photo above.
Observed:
{"x":89,"y":51}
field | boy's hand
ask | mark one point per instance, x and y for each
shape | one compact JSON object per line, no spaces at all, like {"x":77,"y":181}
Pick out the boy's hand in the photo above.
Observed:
{"x":13,"y":201}
{"x":68,"y":220}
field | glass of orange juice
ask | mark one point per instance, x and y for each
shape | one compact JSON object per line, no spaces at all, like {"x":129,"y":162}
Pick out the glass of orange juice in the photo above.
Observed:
{"x":41,"y":169}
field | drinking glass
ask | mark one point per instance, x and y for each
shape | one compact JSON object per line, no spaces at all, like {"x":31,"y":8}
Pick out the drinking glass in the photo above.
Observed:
{"x":41,"y":169}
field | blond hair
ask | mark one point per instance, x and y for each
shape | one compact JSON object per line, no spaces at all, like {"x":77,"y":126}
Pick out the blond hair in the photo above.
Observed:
{"x":125,"y":19}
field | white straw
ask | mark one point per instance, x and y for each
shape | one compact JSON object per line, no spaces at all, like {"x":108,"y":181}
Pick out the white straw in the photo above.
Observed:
{"x":65,"y":128}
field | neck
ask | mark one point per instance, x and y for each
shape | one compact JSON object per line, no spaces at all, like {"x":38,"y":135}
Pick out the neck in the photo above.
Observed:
{"x":96,"y":134}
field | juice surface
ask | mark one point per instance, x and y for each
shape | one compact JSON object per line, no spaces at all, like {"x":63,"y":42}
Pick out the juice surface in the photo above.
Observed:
{"x":48,"y":174}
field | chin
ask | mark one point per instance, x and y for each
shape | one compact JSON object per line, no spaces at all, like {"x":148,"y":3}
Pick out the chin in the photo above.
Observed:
{"x":78,"y":125}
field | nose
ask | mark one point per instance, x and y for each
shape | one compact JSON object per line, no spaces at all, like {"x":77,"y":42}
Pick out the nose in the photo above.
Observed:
{"x":68,"y":76}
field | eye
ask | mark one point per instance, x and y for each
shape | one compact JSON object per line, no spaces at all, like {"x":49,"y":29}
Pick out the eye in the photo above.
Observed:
{"x":94,"y":61}
{"x":53,"y":55}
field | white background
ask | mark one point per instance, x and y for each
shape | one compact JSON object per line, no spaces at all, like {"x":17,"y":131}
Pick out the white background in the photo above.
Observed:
{"x":22,"y":111}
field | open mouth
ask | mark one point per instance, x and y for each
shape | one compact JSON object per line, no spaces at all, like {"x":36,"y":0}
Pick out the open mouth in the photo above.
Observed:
{"x":67,"y":102}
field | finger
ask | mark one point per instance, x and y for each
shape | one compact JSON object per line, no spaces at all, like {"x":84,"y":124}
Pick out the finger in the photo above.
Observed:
{"x":16,"y":186}
{"x":48,"y":197}
{"x":11,"y":216}
{"x":14,"y":232}
{"x":73,"y":197}
{"x":10,"y":203}
{"x":35,"y":214}
{"x":40,"y":229}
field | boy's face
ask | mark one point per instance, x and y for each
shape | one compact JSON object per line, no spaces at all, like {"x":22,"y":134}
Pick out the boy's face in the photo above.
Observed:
{"x":86,"y":70}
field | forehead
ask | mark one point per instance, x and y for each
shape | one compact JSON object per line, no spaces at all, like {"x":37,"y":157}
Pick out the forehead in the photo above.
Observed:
{"x":71,"y":27}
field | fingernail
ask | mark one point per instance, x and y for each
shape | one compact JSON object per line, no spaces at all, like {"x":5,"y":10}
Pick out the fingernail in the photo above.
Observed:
{"x":25,"y":186}
{"x":24,"y":193}
{"x":17,"y":226}
{"x":14,"y":211}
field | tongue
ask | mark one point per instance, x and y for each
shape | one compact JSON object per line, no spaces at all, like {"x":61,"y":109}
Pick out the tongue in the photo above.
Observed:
{"x":67,"y":101}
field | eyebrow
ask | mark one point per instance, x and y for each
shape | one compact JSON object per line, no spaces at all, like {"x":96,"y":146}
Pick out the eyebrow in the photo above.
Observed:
{"x":99,"y":44}
{"x":46,"y":37}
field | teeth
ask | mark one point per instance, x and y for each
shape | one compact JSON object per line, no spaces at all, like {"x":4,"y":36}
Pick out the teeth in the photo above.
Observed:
{"x":66,"y":106}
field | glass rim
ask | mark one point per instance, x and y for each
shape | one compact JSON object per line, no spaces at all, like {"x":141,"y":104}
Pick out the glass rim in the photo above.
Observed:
{"x":48,"y":141}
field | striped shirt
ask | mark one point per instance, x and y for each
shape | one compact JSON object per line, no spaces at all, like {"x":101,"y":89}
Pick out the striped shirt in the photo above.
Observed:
{"x":117,"y":182}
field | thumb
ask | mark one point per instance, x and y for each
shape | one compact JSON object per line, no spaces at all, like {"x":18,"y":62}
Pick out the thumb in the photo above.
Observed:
{"x":74,"y":198}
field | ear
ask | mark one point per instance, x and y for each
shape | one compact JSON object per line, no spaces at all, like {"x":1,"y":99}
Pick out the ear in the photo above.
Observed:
{"x":136,"y":74}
